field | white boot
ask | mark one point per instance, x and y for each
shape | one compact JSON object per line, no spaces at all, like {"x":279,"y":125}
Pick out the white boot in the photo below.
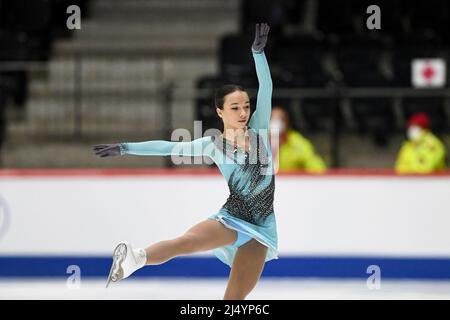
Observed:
{"x":126,"y":260}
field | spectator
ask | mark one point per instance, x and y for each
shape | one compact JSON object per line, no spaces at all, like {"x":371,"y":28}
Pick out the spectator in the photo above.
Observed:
{"x":292,"y":151}
{"x":423,"y":152}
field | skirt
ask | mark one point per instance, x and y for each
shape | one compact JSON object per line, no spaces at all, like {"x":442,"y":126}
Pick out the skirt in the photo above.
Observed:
{"x":266,"y":234}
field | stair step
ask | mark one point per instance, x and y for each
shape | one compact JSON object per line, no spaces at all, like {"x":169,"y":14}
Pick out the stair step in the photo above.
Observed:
{"x":96,"y":30}
{"x":120,"y":75}
{"x":22,"y":153}
{"x":143,"y":4}
{"x":151,"y":9}
{"x":129,"y":49}
{"x":187,"y":47}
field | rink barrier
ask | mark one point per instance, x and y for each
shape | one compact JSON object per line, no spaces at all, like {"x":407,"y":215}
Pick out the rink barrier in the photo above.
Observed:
{"x":404,"y":267}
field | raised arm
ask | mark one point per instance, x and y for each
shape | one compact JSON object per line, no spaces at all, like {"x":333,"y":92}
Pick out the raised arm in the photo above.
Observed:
{"x":197,"y":147}
{"x":261,"y":117}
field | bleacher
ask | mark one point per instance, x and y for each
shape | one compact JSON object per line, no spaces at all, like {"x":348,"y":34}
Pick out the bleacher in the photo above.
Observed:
{"x":106,"y":81}
{"x":332,"y":74}
{"x":29,"y":28}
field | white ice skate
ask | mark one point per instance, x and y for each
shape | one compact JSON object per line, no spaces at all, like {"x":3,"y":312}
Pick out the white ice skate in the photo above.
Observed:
{"x":125,"y":262}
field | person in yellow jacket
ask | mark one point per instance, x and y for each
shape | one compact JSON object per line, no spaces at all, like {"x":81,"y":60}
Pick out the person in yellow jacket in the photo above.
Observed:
{"x":423,"y":152}
{"x":292,"y":151}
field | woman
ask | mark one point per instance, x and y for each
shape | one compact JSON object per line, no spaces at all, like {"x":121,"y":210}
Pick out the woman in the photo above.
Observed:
{"x":292,"y":151}
{"x":243,"y":233}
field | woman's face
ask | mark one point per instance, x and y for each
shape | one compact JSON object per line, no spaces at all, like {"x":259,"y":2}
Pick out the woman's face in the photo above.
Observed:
{"x":236,"y":110}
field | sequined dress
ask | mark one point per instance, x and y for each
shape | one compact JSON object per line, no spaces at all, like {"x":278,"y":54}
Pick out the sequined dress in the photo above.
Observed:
{"x":250,"y":178}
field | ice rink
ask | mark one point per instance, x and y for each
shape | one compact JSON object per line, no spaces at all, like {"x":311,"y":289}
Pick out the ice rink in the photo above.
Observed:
{"x":203,"y":289}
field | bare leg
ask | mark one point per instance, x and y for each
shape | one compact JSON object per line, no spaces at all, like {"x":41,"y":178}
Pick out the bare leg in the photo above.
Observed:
{"x":206,"y":235}
{"x":246,"y":270}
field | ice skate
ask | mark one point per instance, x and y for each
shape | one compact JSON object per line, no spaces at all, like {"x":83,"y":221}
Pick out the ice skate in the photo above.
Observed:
{"x":125,"y":262}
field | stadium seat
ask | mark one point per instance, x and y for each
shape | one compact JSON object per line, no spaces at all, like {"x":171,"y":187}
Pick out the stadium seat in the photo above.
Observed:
{"x":429,"y":16}
{"x":34,"y":19}
{"x":298,"y":62}
{"x":374,"y":116}
{"x":359,"y":60}
{"x":319,"y":113}
{"x":335,"y":17}
{"x":235,"y":55}
{"x":276,"y":13}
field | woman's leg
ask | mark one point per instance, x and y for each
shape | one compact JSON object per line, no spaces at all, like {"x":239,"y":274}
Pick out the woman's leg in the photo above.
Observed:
{"x":206,"y":235}
{"x":247,"y":267}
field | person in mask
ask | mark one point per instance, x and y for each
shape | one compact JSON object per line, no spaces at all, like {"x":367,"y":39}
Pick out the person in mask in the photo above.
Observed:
{"x":290,"y":149}
{"x":423,"y":152}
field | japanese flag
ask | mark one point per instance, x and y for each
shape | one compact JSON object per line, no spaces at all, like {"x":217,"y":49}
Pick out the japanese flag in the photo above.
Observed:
{"x":428,"y":73}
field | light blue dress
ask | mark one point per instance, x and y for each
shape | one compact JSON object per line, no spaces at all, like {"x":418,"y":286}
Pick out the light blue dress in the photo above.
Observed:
{"x":250,"y":175}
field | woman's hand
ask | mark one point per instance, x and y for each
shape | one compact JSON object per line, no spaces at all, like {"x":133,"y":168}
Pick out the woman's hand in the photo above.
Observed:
{"x":108,"y":150}
{"x":261,"y":33}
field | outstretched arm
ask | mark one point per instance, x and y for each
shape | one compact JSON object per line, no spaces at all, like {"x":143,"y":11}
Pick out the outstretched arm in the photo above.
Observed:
{"x":166,"y":148}
{"x":261,"y":117}
{"x":197,"y":147}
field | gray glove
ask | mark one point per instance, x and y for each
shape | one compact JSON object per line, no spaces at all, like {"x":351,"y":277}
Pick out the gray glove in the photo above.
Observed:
{"x":261,"y":33}
{"x":109,"y":150}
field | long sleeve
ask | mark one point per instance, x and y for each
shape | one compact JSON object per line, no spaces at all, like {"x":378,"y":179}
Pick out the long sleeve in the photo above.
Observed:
{"x":261,"y":117}
{"x":197,"y":147}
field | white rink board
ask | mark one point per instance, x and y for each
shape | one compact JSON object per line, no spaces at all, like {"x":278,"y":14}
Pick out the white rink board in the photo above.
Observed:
{"x":326,"y":215}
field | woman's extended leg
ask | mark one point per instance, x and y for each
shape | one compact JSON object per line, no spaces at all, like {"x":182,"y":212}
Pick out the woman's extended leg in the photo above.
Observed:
{"x":206,"y":235}
{"x":247,"y":267}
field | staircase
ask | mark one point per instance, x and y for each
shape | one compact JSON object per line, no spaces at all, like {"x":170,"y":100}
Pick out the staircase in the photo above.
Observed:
{"x":125,"y":52}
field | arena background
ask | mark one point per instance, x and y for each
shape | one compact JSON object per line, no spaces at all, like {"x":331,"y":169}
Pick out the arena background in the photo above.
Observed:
{"x":137,"y":70}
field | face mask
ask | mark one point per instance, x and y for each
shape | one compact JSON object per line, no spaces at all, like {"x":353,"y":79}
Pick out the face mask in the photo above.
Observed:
{"x":277,"y":124}
{"x":414,"y":133}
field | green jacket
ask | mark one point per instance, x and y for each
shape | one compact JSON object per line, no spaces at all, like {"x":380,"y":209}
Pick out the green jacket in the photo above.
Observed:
{"x":297,"y":153}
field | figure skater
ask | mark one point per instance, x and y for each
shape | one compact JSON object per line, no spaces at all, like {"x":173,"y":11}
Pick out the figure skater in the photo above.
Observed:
{"x":243,"y":233}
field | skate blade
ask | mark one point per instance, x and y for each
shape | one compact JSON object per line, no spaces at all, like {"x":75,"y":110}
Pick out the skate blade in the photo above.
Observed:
{"x":116,"y":271}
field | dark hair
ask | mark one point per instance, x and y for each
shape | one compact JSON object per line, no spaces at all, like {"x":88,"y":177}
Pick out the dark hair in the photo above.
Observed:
{"x":219,"y":96}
